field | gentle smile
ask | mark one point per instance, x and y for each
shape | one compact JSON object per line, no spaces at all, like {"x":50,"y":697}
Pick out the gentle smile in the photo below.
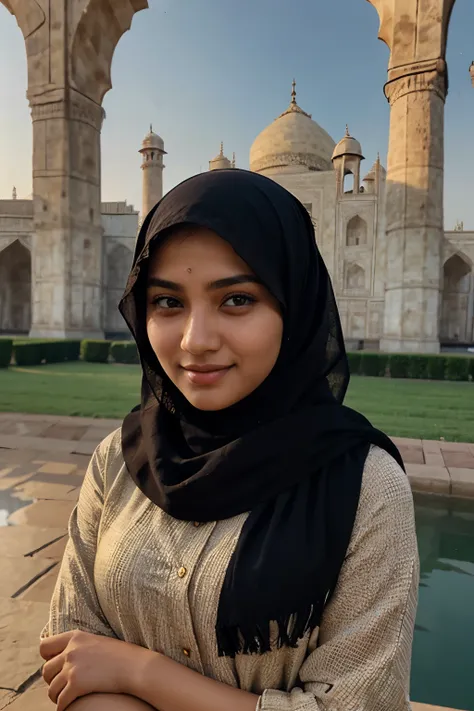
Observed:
{"x":205,"y":374}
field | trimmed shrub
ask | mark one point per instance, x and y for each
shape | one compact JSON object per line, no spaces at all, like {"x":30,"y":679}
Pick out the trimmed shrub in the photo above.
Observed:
{"x":354,"y":362}
{"x":373,"y":364}
{"x":457,"y":368}
{"x":95,"y":351}
{"x":28,"y":353}
{"x":436,"y":367}
{"x":418,"y":367}
{"x":399,"y":365}
{"x":46,"y":351}
{"x":6,"y":349}
{"x":124,"y":352}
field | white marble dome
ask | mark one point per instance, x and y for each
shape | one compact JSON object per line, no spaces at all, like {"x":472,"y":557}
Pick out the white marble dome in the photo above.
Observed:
{"x":153,"y":140}
{"x":348,"y":146}
{"x":220,"y":162}
{"x":293,"y":142}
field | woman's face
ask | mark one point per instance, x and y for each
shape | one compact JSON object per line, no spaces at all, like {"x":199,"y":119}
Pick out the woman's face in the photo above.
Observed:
{"x":214,"y":328}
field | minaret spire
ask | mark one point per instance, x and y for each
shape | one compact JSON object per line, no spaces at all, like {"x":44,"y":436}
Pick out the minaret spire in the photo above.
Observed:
{"x":293,"y":92}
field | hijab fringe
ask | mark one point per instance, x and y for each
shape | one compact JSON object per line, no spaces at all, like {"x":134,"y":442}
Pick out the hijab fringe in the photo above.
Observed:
{"x":239,"y":639}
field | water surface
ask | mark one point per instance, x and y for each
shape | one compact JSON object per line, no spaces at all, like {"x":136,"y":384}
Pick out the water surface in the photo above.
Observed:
{"x":443,"y":651}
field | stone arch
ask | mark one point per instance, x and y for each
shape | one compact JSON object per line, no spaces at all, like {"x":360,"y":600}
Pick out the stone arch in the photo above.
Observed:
{"x":15,"y":288}
{"x":356,"y":232}
{"x":119,"y":261}
{"x":98,"y":31}
{"x":354,"y":277}
{"x":457,"y":305}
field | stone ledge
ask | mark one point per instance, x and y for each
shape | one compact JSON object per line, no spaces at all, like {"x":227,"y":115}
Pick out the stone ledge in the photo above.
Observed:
{"x":462,"y":482}
{"x":423,"y":478}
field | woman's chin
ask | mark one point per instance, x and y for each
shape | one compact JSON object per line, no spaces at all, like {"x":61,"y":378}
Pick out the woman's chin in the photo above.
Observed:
{"x":209,"y":400}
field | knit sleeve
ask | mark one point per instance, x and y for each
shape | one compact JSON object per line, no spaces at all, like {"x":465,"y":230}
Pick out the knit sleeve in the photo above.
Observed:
{"x":363,"y":654}
{"x":74,"y":604}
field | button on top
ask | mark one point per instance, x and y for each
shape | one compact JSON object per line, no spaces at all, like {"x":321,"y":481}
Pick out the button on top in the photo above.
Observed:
{"x":182,"y":572}
{"x":186,"y":652}
{"x":196,"y":524}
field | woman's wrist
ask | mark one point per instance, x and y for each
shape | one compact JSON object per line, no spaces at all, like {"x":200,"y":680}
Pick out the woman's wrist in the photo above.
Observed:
{"x":144,"y":665}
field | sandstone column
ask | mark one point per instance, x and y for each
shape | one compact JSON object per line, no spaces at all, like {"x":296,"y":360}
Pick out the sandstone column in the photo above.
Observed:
{"x":415,"y":32}
{"x":69,"y":45}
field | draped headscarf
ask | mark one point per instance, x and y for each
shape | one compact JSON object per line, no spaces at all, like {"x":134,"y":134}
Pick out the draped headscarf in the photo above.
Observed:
{"x":290,"y":453}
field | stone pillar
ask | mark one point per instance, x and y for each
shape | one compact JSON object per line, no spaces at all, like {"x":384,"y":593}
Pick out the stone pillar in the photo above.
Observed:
{"x":69,"y":46}
{"x":414,"y":209}
{"x":416,"y":34}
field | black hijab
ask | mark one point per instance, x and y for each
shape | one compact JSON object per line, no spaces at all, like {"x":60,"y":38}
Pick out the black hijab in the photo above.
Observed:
{"x":290,"y":453}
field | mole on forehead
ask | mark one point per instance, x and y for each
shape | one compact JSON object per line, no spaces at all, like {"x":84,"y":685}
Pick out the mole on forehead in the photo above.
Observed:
{"x":189,"y":270}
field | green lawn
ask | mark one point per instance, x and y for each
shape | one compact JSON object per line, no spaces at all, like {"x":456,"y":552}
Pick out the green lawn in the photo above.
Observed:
{"x":403,"y":408}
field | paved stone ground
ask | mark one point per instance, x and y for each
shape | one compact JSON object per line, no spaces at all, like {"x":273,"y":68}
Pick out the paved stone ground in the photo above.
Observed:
{"x":43,"y":460}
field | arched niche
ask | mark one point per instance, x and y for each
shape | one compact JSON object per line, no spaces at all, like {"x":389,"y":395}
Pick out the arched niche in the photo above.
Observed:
{"x":457,"y":304}
{"x":15,"y":289}
{"x":356,"y":232}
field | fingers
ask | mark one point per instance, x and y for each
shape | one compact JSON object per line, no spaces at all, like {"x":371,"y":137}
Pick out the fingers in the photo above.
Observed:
{"x":52,"y":668}
{"x":56,"y":687}
{"x":52,"y":646}
{"x":66,"y":697}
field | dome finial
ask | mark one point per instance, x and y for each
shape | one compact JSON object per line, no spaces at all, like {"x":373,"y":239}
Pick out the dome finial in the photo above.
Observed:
{"x":151,"y":128}
{"x":347,"y":131}
{"x":222,"y":149}
{"x":14,"y":193}
{"x":233,"y":159}
{"x":293,"y":92}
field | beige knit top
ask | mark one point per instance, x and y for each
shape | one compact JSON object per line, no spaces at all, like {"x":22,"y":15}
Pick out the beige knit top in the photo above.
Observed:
{"x":133,"y":572}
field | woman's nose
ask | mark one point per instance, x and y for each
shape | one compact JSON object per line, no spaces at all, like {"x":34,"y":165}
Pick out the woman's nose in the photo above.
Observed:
{"x":200,"y":334}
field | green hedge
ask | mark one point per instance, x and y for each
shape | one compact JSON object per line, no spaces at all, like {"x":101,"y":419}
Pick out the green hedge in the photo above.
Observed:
{"x":6,"y":349}
{"x":457,"y":368}
{"x":412,"y":365}
{"x":124,"y":352}
{"x":95,"y":351}
{"x":354,"y":362}
{"x":436,"y":367}
{"x":374,"y":364}
{"x":36,"y":351}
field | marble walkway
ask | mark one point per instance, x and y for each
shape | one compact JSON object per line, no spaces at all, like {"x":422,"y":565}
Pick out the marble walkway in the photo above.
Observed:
{"x":43,"y":460}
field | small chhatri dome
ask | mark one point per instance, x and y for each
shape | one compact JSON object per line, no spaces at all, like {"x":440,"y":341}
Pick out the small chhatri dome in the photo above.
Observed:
{"x":348,"y":146}
{"x":292,"y":143}
{"x":220,"y":162}
{"x":152,"y":140}
{"x":372,"y":174}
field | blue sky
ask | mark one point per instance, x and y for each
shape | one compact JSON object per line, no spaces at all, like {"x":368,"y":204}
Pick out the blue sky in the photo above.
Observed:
{"x":215,"y":70}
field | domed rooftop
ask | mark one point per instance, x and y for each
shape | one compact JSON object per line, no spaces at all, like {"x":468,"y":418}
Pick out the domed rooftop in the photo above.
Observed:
{"x":153,"y":140}
{"x":294,"y":141}
{"x":220,"y":162}
{"x":347,"y":146}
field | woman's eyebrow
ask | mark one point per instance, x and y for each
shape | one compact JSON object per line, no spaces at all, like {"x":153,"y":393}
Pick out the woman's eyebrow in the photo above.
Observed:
{"x":218,"y":284}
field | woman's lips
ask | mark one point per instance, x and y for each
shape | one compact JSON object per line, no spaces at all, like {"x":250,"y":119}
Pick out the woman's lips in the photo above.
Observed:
{"x":206,"y":377}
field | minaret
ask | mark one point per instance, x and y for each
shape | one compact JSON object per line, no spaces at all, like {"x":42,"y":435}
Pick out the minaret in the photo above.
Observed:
{"x":152,"y":151}
{"x":220,"y":162}
{"x":346,"y":160}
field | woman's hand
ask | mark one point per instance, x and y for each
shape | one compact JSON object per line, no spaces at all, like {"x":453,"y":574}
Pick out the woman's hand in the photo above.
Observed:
{"x":79,"y":663}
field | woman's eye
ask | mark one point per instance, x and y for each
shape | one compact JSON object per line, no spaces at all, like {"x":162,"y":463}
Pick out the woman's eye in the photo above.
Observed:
{"x":166,"y":302}
{"x":239,"y":300}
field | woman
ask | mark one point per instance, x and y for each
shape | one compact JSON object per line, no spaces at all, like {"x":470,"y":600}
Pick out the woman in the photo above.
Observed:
{"x":244,"y":541}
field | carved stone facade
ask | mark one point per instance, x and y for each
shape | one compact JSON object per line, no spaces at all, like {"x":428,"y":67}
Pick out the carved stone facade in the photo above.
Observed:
{"x":119,"y":225}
